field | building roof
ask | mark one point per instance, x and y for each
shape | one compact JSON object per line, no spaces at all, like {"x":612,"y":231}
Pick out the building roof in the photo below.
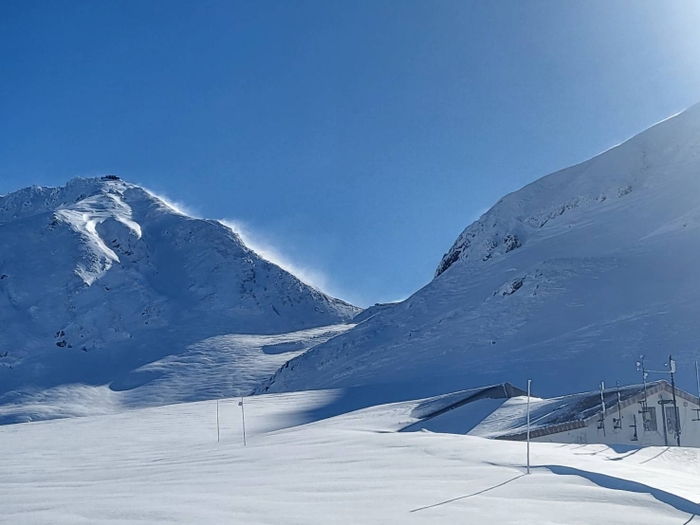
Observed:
{"x":439,"y":405}
{"x":559,"y":414}
{"x":459,"y":412}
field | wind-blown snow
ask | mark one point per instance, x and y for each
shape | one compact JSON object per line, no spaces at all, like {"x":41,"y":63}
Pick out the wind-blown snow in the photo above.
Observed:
{"x":566,"y":281}
{"x":103,"y":284}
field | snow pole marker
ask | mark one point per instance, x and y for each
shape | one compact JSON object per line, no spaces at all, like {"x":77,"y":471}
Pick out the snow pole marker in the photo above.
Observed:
{"x":619,"y":408}
{"x":602,"y":404}
{"x":240,"y":404}
{"x":217,"y":422}
{"x":529,"y":382}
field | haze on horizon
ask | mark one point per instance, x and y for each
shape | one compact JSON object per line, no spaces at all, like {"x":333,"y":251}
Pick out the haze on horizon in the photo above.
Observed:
{"x":351,"y":143}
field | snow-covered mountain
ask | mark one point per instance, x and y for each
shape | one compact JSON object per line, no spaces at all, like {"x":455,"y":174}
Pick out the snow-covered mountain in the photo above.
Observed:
{"x":100,"y":277}
{"x":566,"y":281}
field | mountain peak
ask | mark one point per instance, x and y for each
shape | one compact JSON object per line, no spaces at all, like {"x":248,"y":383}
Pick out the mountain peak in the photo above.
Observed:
{"x":658,"y":159}
{"x":565,"y":281}
{"x":99,"y":275}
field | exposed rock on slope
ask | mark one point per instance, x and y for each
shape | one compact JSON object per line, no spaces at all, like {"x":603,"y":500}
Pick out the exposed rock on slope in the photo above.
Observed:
{"x":566,"y":281}
{"x":99,"y":277}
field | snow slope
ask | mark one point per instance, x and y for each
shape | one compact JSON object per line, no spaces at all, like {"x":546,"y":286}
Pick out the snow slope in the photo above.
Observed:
{"x":566,"y":281}
{"x":102,"y":283}
{"x":164,"y":465}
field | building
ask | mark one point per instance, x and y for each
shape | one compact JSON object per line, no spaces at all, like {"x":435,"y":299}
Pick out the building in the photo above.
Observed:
{"x":637,"y":415}
{"x":459,"y":412}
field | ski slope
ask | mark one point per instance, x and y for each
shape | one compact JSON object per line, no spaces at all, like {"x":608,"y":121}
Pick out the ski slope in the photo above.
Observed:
{"x":565,"y":282}
{"x":164,"y":465}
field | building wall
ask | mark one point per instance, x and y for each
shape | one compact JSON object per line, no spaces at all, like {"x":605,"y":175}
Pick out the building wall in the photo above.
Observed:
{"x":614,"y":435}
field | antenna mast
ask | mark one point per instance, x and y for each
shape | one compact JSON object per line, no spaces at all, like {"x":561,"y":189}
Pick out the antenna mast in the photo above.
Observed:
{"x":618,"y":423}
{"x":697,"y":380}
{"x":641,"y":367}
{"x":672,"y":367}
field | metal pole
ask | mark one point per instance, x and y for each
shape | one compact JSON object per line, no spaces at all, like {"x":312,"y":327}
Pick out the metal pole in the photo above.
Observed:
{"x":644,"y":380}
{"x":240,"y":404}
{"x":529,"y":382}
{"x":217,"y":421}
{"x":602,"y":403}
{"x":619,"y":409}
{"x":697,"y":378}
{"x":672,"y":366}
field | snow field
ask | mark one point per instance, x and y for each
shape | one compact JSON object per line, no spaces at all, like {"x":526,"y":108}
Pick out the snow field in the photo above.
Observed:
{"x":216,"y":367}
{"x":164,"y":465}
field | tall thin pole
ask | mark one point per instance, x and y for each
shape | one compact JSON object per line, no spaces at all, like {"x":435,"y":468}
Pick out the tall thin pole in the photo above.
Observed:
{"x":529,"y":382}
{"x":697,"y":380}
{"x":217,"y":421}
{"x":602,"y":403}
{"x":672,"y":367}
{"x":644,"y":380}
{"x":619,"y":408}
{"x":240,"y":404}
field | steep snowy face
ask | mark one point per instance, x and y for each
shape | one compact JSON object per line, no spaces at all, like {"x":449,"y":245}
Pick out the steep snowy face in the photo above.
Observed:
{"x":100,"y":276}
{"x":662,"y":160}
{"x":566,"y":282}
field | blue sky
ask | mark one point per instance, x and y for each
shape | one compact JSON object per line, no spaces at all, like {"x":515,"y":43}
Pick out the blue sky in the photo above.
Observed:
{"x":351,"y":141}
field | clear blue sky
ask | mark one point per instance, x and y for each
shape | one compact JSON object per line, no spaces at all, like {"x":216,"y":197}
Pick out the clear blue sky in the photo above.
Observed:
{"x":353,"y":140}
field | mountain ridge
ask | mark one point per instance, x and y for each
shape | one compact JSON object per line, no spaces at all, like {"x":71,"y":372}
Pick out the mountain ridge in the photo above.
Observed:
{"x":100,"y":277}
{"x":565,"y":281}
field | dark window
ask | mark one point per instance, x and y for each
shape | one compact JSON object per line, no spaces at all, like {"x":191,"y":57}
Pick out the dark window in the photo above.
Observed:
{"x":671,"y":417}
{"x":649,"y":419}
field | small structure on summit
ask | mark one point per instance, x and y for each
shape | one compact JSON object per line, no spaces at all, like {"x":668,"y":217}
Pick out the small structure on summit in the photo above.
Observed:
{"x":637,"y":415}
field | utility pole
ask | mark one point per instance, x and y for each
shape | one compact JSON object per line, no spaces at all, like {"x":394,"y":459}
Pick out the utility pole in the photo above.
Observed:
{"x":529,"y":382}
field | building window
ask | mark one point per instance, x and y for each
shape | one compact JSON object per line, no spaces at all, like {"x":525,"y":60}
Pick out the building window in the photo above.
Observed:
{"x":671,"y":417}
{"x":649,"y":419}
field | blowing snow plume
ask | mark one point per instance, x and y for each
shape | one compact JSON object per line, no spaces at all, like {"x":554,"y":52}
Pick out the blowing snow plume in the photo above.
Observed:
{"x":99,"y":278}
{"x":265,"y":249}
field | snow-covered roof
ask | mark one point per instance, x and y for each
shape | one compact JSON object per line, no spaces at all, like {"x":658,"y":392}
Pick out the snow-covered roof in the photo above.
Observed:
{"x":559,"y":414}
{"x":436,"y":406}
{"x":459,"y":412}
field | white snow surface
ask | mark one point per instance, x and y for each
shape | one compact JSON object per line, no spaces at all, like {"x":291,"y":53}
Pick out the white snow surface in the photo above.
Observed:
{"x":104,"y":288}
{"x":164,"y":465}
{"x":566,"y":281}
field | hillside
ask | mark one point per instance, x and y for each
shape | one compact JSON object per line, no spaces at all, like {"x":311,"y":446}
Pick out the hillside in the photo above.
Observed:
{"x":566,"y":281}
{"x":100,"y":278}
